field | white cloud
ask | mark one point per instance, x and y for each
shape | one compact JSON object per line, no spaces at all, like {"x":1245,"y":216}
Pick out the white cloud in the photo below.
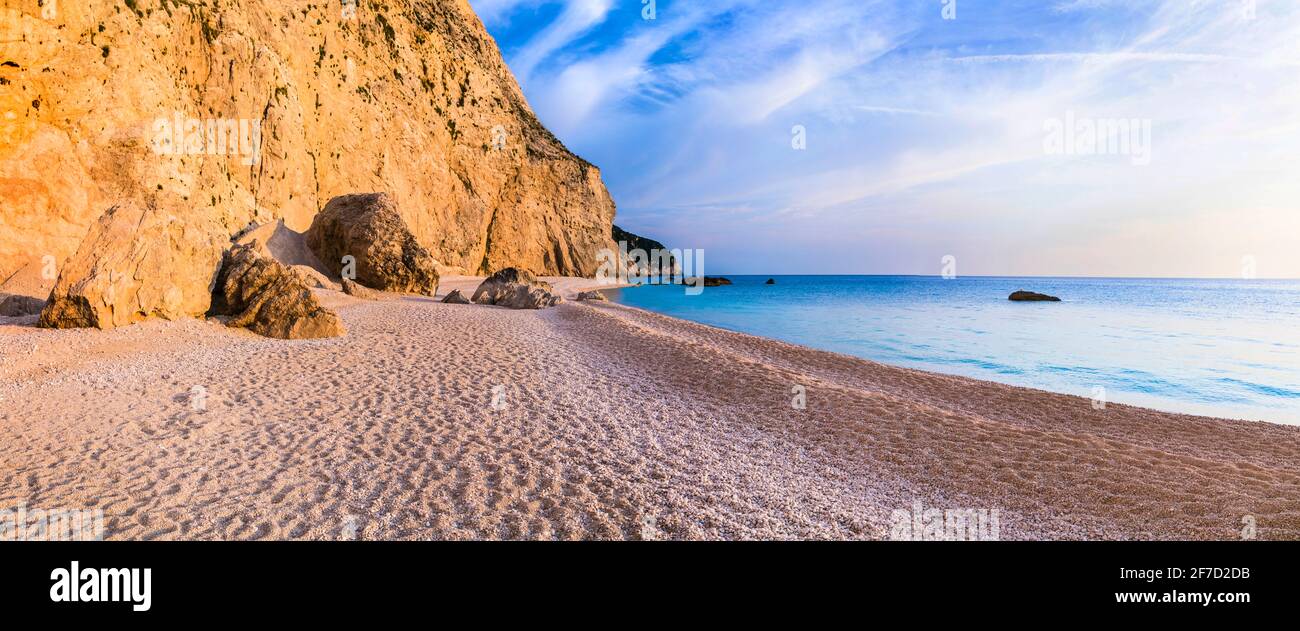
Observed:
{"x":577,"y":18}
{"x":926,"y":133}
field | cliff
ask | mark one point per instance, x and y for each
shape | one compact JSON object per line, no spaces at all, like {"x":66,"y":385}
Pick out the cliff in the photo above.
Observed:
{"x":249,"y":111}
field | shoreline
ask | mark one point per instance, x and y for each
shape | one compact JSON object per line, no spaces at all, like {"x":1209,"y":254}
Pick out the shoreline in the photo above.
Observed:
{"x":846,"y":356}
{"x":615,"y":423}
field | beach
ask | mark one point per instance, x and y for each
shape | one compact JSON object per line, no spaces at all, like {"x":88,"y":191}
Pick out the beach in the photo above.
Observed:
{"x":588,"y":421}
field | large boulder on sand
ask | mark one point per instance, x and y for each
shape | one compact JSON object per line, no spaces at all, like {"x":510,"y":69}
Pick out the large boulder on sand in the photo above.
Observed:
{"x":594,"y":296}
{"x":369,"y":228}
{"x":270,"y":299}
{"x":17,"y":306}
{"x":138,"y":261}
{"x":278,"y":241}
{"x":516,"y":289}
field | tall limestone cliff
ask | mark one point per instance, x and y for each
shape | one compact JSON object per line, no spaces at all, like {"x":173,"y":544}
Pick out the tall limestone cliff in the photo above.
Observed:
{"x":249,"y":111}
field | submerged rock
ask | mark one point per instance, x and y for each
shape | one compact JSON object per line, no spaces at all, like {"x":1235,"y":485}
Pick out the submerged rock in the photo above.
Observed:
{"x":369,"y":228}
{"x":456,"y":298}
{"x":592,"y":295}
{"x":270,"y":299}
{"x":516,"y":289}
{"x":138,"y":261}
{"x":17,"y":306}
{"x":1029,"y":296}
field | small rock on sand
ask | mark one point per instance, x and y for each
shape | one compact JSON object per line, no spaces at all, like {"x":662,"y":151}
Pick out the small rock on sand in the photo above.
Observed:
{"x":592,"y":295}
{"x":516,"y":289}
{"x":357,"y":290}
{"x":456,"y":298}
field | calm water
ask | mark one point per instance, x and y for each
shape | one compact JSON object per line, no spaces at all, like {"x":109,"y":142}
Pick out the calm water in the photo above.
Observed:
{"x":1228,"y":348}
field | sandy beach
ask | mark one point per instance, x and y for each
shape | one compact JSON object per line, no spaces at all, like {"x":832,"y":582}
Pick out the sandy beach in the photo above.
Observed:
{"x":586,"y":421}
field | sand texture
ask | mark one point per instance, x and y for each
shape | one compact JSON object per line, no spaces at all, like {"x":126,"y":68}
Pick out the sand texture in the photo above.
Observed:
{"x":588,"y":420}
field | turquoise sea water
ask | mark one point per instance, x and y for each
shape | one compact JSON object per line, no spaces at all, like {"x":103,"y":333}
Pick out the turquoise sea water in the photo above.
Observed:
{"x":1227,"y":348}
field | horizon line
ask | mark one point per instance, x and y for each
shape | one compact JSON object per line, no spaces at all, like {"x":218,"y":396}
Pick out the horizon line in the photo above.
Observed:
{"x":1062,"y":276}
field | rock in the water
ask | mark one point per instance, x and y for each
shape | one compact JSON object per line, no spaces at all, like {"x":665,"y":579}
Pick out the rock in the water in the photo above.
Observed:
{"x":270,"y":299}
{"x":770,"y":281}
{"x":456,"y":298}
{"x":592,"y":295}
{"x":1029,"y":296}
{"x":709,"y":281}
{"x":516,"y":289}
{"x":17,"y":306}
{"x":369,"y":228}
{"x":138,"y":261}
{"x":357,"y":290}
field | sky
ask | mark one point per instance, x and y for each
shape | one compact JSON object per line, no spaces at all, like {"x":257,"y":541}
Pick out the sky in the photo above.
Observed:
{"x":1142,"y":138}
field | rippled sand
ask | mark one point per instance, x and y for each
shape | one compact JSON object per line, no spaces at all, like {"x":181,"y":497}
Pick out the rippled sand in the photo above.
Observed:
{"x":608,"y":422}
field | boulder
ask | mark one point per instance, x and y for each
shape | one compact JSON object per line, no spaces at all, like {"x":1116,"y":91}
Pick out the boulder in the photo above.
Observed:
{"x":424,"y":90}
{"x":138,"y":261}
{"x":516,"y":289}
{"x":357,"y":290}
{"x":456,"y":298}
{"x":17,"y":306}
{"x":369,"y":228}
{"x":1029,"y":296}
{"x":270,"y":299}
{"x":278,"y":241}
{"x":592,"y":295}
{"x":770,"y":281}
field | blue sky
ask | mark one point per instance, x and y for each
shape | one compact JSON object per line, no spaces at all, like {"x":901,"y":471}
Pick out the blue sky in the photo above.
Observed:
{"x":926,"y":136}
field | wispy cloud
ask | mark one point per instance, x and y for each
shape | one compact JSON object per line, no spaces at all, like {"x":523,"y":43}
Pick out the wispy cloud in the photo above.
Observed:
{"x":578,"y":17}
{"x":1094,"y":57}
{"x":924,"y":131}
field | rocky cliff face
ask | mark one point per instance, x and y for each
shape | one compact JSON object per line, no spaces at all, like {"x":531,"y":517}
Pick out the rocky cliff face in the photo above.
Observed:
{"x":249,"y":111}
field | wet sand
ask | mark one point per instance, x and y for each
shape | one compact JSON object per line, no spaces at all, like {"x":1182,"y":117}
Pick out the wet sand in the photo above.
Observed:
{"x":589,"y":420}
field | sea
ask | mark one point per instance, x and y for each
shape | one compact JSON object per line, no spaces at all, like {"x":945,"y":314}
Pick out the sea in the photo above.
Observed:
{"x":1223,"y":348}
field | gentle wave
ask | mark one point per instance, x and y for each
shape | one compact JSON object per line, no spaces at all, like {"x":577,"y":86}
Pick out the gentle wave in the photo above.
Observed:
{"x":1212,"y":347}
